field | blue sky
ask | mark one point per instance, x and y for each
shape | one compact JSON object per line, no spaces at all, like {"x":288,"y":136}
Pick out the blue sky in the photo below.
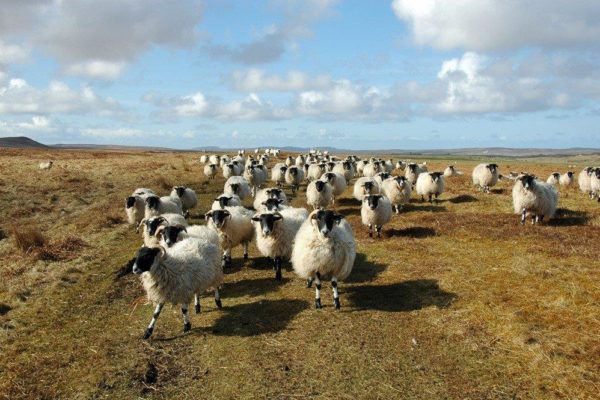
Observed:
{"x":407,"y":74}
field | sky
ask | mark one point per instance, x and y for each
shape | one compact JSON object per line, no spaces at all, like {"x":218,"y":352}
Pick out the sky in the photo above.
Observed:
{"x":354,"y":74}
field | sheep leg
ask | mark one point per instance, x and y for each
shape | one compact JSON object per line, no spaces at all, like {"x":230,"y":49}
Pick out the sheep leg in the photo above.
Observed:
{"x":397,"y":209}
{"x":336,"y":294}
{"x":150,"y":328}
{"x":309,"y":282}
{"x":378,"y":228}
{"x":278,"y":268}
{"x":186,"y":318}
{"x":422,"y":199}
{"x":218,"y":298}
{"x":430,"y":199}
{"x":370,"y":230}
{"x":523,"y":216}
{"x":197,"y":303}
{"x":533,"y":219}
{"x":246,"y":251}
{"x":541,"y":218}
{"x":318,"y":291}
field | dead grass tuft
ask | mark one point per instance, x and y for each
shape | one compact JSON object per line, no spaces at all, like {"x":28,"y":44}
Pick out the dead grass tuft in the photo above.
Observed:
{"x":62,"y":250}
{"x":28,"y":239}
{"x":163,"y":183}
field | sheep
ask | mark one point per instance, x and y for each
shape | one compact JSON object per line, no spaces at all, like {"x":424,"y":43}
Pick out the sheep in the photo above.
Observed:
{"x":300,"y":160}
{"x":595,"y":183}
{"x":262,"y":175}
{"x":156,"y":206}
{"x":553,"y":179}
{"x":135,"y":204}
{"x":234,"y":227}
{"x":214,"y":159}
{"x":237,"y":185}
{"x":584,"y":180}
{"x":315,"y":171}
{"x":430,"y":184}
{"x":278,"y":173}
{"x":223,"y":161}
{"x":177,"y":274}
{"x":401,"y":165}
{"x":329,"y":166}
{"x":225,"y":200}
{"x":346,"y":169}
{"x":360,"y":166}
{"x":46,"y":165}
{"x":210,"y":171}
{"x":150,"y":226}
{"x":293,"y":177}
{"x":319,"y":194}
{"x":187,"y":196}
{"x":413,"y":171}
{"x":566,"y":179}
{"x":253,"y":176}
{"x":451,"y":171}
{"x":376,"y":211}
{"x":337,"y":182}
{"x":388,"y":166}
{"x":323,"y":249}
{"x":372,"y":169}
{"x":364,"y":186}
{"x":269,"y":193}
{"x":275,"y":232}
{"x":232,"y":169}
{"x":397,"y":190}
{"x":203,"y":159}
{"x":485,"y":176}
{"x":534,"y":197}
{"x":380,"y":177}
{"x":173,"y":233}
{"x":289,"y":161}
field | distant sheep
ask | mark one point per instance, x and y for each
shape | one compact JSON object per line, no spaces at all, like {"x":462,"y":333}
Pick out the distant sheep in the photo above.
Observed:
{"x":398,"y":190}
{"x":46,"y":165}
{"x":365,"y":186}
{"x":203,"y":159}
{"x":566,"y":179}
{"x":535,"y":198}
{"x":210,"y":171}
{"x":346,"y":168}
{"x":595,"y":183}
{"x":372,"y":169}
{"x":232,"y":169}
{"x":269,"y":193}
{"x":315,"y":171}
{"x":430,"y":184}
{"x":293,"y":177}
{"x":234,"y":227}
{"x":135,"y":205}
{"x":451,"y":171}
{"x":187,"y":196}
{"x":278,"y":173}
{"x":319,"y":194}
{"x":254,"y":178}
{"x":553,"y":179}
{"x":225,"y":200}
{"x":237,"y":185}
{"x":585,"y":180}
{"x":485,"y":176}
{"x":156,"y":206}
{"x":376,"y":211}
{"x":337,"y":182}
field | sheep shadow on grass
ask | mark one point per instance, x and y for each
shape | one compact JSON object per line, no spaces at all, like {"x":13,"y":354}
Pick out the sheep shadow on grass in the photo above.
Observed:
{"x":349,"y":211}
{"x":424,"y":207}
{"x":258,"y":318}
{"x":415,"y":232}
{"x":463,"y":198}
{"x":400,"y":297}
{"x":564,"y":217}
{"x":364,"y":270}
{"x":347,"y":201}
{"x":252,"y":287}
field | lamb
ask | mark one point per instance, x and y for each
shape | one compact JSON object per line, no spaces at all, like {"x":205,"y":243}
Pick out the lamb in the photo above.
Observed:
{"x":397,"y":190}
{"x":566,"y":179}
{"x":135,"y":204}
{"x":585,"y":179}
{"x":253,"y":176}
{"x":210,"y":171}
{"x":278,"y":173}
{"x":595,"y":183}
{"x":451,"y":171}
{"x":346,"y":169}
{"x":485,"y":176}
{"x":225,"y":200}
{"x":319,"y":194}
{"x":187,"y":196}
{"x":156,"y":206}
{"x":315,"y":171}
{"x":372,"y":169}
{"x":376,"y":211}
{"x":269,"y":193}
{"x":413,"y":171}
{"x":46,"y":165}
{"x":293,"y":177}
{"x":364,"y":186}
{"x":275,"y":233}
{"x":430,"y":184}
{"x":177,"y":274}
{"x":337,"y":182}
{"x":234,"y":227}
{"x":553,"y":179}
{"x":232,"y":169}
{"x":237,"y":185}
{"x":324,"y":248}
{"x":150,"y":226}
{"x":537,"y":198}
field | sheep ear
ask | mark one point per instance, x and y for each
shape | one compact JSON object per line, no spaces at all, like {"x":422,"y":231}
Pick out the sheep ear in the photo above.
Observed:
{"x":208,"y":215}
{"x":226,"y":212}
{"x":338,"y":218}
{"x":277,"y":216}
{"x":142,"y":222}
{"x":163,"y":252}
{"x":256,"y":218}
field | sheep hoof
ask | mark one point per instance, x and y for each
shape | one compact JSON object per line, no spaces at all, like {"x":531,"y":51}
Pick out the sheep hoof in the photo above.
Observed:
{"x":336,"y":302}
{"x":309,"y":283}
{"x":245,"y":256}
{"x":218,"y":303}
{"x":278,"y":275}
{"x":370,"y":234}
{"x":197,"y":308}
{"x":187,"y":327}
{"x":318,"y":303}
{"x":148,"y":333}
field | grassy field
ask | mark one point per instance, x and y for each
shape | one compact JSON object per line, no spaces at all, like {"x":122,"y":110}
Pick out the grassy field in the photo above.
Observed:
{"x":456,"y":301}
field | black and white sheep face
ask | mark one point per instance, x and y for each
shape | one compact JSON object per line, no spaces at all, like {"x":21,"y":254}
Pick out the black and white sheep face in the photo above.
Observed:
{"x":145,"y":259}
{"x":267,"y":222}
{"x":330,"y":176}
{"x":383,"y":175}
{"x":180,"y":190}
{"x":528,"y":181}
{"x":223,"y":201}
{"x":294,"y":171}
{"x":347,"y":165}
{"x":570,"y":174}
{"x":320,"y":185}
{"x":152,"y":202}
{"x":435,"y":176}
{"x":325,"y":220}
{"x":218,"y":217}
{"x":368,"y":186}
{"x":272,"y":204}
{"x":372,"y":200}
{"x":274,"y":193}
{"x":556,"y":175}
{"x":283,"y":169}
{"x":171,"y":233}
{"x":235,"y":187}
{"x":412,"y":168}
{"x":492,"y":167}
{"x":597,"y":173}
{"x":152,"y":224}
{"x":401,"y":181}
{"x":130,"y":202}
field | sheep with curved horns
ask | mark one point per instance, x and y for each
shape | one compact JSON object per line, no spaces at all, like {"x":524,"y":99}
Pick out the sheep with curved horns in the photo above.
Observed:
{"x":232,"y":169}
{"x":156,"y":206}
{"x":275,"y":233}
{"x":365,"y":186}
{"x":376,"y":211}
{"x":187,"y":197}
{"x":269,"y":193}
{"x":585,"y":179}
{"x":398,"y":190}
{"x":413,"y":171}
{"x":46,"y":165}
{"x":566,"y":179}
{"x":553,"y":179}
{"x":177,"y":274}
{"x":451,"y":171}
{"x":595,"y":183}
{"x":337,"y":182}
{"x":430,"y":184}
{"x":319,"y":194}
{"x":294,"y":177}
{"x":234,"y":227}
{"x":535,"y":198}
{"x":485,"y":176}
{"x":278,"y":173}
{"x":324,"y":249}
{"x":211,"y":170}
{"x":237,"y":185}
{"x":225,"y":200}
{"x":150,"y":226}
{"x":135,"y":205}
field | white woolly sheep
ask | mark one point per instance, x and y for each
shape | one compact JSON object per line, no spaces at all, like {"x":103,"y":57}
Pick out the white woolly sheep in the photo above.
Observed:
{"x":319,"y":194}
{"x":451,"y":171}
{"x":376,"y":211}
{"x":300,"y":160}
{"x":156,"y":206}
{"x":360,"y":166}
{"x":275,"y":232}
{"x":226,"y":200}
{"x":177,"y":274}
{"x":237,"y":185}
{"x":372,"y":169}
{"x":254,"y":177}
{"x":397,"y":190}
{"x":324,"y":249}
{"x":566,"y":179}
{"x":225,"y":159}
{"x":430,"y":184}
{"x":364,"y":186}
{"x":337,"y":182}
{"x":595,"y":183}
{"x":294,"y":176}
{"x":46,"y":165}
{"x":315,"y":171}
{"x":485,"y":176}
{"x":413,"y":171}
{"x":388,"y":166}
{"x":210,"y":171}
{"x":204,"y":159}
{"x":346,"y":168}
{"x":289,"y":161}
{"x":278,"y":173}
{"x":234,"y":227}
{"x":135,"y":205}
{"x":534,"y":197}
{"x":232,"y":169}
{"x":380,"y":177}
{"x":214,"y":159}
{"x":261,"y":178}
{"x":187,"y":196}
{"x":584,"y":180}
{"x":150,"y":226}
{"x":553,"y":179}
{"x":401,"y":165}
{"x":269,"y":193}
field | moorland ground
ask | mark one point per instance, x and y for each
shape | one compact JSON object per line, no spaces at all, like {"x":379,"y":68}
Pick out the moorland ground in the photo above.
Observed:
{"x":457,"y":300}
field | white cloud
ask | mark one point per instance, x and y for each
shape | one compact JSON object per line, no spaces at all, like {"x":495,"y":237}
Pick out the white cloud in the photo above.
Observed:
{"x":97,"y":69}
{"x":255,"y":80}
{"x":192,"y":105}
{"x":112,"y":133}
{"x":37,"y":123}
{"x":484,"y":25}
{"x":12,"y":53}
{"x":344,"y":98}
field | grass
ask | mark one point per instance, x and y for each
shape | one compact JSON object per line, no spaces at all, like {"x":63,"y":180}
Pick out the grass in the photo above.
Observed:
{"x":457,"y":300}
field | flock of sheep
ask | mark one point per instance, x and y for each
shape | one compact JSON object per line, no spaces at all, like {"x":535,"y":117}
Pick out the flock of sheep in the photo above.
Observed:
{"x":179,"y":261}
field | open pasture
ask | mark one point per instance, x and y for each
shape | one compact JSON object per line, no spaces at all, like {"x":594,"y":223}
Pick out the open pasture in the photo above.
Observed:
{"x":456,"y":300}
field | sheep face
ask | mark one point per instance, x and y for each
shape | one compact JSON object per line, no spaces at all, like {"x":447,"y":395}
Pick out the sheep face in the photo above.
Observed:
{"x":152,"y":202}
{"x":368,"y":186}
{"x":272,"y":204}
{"x":152,"y":224}
{"x":492,"y":167}
{"x":171,"y":233}
{"x":320,"y":185}
{"x":596,"y":172}
{"x":372,"y":200}
{"x":180,"y":190}
{"x":267,"y":222}
{"x":528,"y":181}
{"x":218,"y":217}
{"x":412,"y":168}
{"x":146,"y":258}
{"x":347,"y":165}
{"x":274,"y":193}
{"x":330,"y":176}
{"x":570,"y":174}
{"x":435,"y":176}
{"x":130,"y":202}
{"x":235,"y":187}
{"x":294,"y":171}
{"x":324,"y":220}
{"x":383,"y":175}
{"x":400,"y":181}
{"x":223,"y":201}
{"x":283,"y":169}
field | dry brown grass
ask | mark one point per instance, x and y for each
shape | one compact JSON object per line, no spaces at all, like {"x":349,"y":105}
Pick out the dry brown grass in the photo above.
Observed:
{"x":28,"y":239}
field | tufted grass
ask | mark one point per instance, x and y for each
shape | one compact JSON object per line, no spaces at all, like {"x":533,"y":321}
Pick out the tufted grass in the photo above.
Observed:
{"x":456,"y":301}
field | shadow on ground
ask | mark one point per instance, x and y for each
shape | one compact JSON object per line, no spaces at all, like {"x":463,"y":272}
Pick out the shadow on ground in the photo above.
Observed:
{"x":566,"y":217}
{"x":416,"y":232}
{"x":464,"y":198}
{"x":364,"y":270}
{"x":405,"y":296}
{"x":423,"y":207}
{"x":252,"y":287}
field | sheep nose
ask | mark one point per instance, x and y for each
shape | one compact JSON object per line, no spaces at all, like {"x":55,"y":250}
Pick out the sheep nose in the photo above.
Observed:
{"x":372,"y":207}
{"x":136,"y":269}
{"x":325,"y":233}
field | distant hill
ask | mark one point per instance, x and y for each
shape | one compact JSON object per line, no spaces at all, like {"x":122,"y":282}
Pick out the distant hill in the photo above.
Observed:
{"x":21,"y":142}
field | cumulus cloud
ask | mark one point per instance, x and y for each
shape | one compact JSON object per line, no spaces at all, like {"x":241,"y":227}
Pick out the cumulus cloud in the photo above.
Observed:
{"x":12,"y":53}
{"x":484,"y":25}
{"x":96,"y":69}
{"x":256,"y":80}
